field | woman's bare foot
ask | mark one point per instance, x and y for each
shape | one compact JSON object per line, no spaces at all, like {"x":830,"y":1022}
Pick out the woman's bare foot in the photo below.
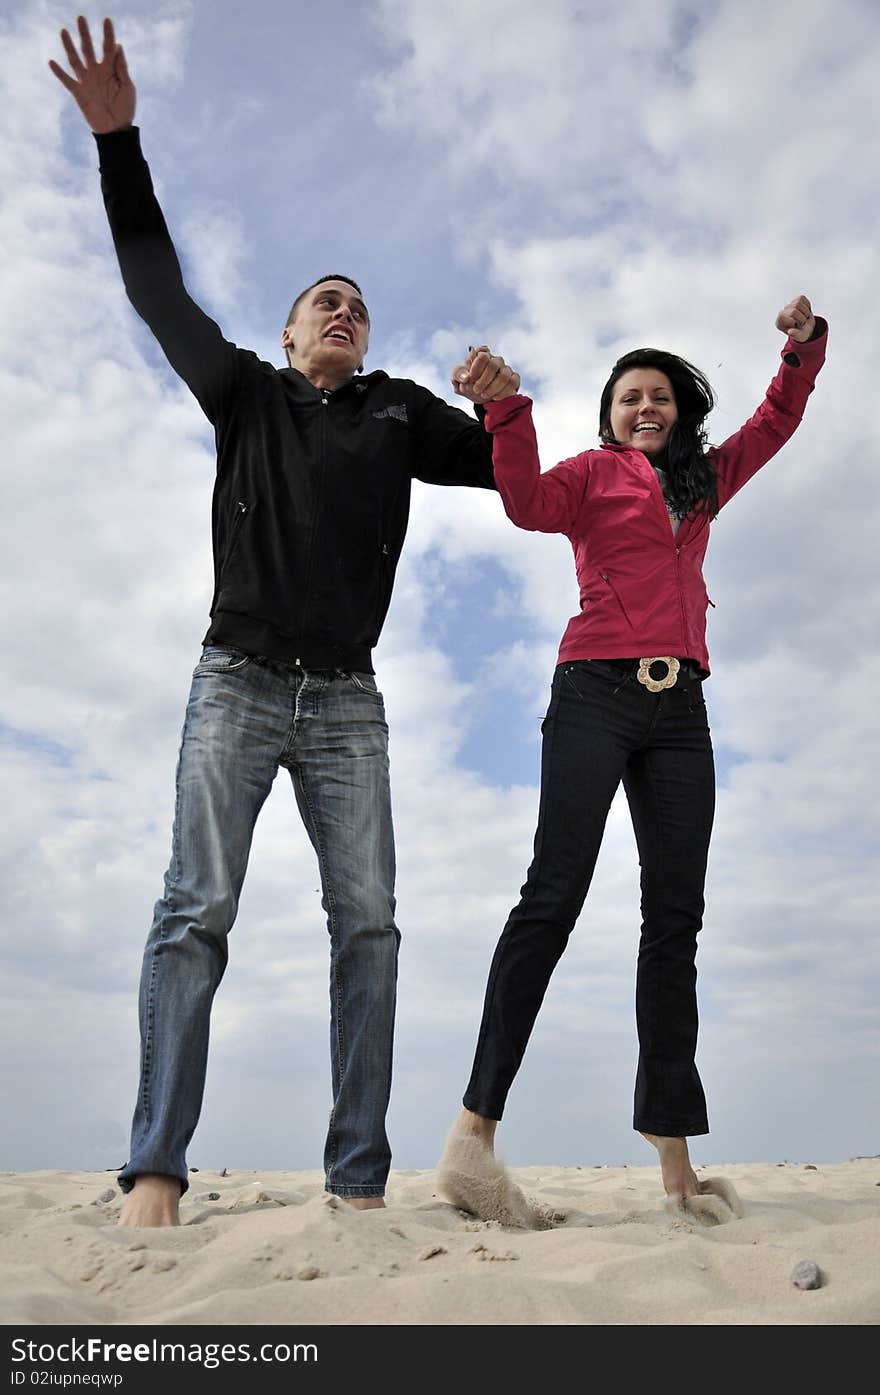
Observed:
{"x":474,"y":1124}
{"x":679,"y":1178}
{"x":366,"y":1203}
{"x":154,"y":1200}
{"x":713,"y":1200}
{"x":469,"y":1176}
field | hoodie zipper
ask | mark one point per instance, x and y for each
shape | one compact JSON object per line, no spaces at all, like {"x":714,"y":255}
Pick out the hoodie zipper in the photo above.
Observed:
{"x":680,"y":595}
{"x":319,"y":490}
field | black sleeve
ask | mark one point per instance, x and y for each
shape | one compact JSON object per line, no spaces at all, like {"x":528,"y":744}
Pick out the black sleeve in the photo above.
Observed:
{"x":192,"y":343}
{"x":452,"y":447}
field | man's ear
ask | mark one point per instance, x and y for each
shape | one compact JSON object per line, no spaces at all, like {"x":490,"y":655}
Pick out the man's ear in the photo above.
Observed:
{"x":287,"y":337}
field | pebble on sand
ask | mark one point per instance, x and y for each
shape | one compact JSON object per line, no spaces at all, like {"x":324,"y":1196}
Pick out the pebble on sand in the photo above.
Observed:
{"x":806,"y":1274}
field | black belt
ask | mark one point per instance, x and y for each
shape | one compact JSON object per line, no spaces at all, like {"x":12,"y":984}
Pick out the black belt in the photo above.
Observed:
{"x":655,"y":673}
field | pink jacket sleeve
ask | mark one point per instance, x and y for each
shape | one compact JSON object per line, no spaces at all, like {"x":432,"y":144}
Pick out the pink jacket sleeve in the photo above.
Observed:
{"x":777,"y":418}
{"x":543,"y":502}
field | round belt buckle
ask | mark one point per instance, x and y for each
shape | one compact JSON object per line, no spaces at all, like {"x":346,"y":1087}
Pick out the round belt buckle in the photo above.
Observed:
{"x":657,"y":685}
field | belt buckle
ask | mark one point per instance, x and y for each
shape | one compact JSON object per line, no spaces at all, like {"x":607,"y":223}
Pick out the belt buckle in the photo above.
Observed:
{"x":657,"y":685}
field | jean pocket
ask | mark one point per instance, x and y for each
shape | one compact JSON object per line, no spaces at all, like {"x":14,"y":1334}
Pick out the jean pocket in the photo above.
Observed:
{"x":593,"y":672}
{"x":365,"y":683}
{"x":219,"y":658}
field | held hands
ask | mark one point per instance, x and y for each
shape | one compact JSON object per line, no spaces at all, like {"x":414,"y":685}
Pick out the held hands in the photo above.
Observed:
{"x":484,"y":377}
{"x":797,"y":319}
{"x":103,"y":90}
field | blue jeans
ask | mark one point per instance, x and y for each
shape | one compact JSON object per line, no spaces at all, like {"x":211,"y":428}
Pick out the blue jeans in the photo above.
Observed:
{"x":603,"y":727}
{"x":246,"y":717}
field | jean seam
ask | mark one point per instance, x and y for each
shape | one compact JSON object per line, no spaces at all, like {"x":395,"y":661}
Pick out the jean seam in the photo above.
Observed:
{"x":334,"y":937}
{"x":174,"y":878}
{"x":368,"y":1189}
{"x":149,"y":1033}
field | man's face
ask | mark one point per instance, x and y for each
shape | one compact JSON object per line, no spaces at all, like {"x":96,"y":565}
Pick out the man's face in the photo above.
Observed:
{"x":330,"y":332}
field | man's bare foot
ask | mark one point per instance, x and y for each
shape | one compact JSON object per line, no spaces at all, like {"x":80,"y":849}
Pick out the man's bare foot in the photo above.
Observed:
{"x":469,"y":1176}
{"x":154,"y":1200}
{"x":713,"y":1199}
{"x":366,"y":1203}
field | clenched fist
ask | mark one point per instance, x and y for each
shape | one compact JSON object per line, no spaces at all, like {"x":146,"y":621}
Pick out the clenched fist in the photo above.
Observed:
{"x":484,"y":377}
{"x":797,"y":319}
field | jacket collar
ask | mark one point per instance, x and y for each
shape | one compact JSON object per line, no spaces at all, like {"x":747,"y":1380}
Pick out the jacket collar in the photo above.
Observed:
{"x":357,"y":384}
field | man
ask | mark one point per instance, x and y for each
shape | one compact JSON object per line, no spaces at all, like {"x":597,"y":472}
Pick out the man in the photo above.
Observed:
{"x":314,"y":472}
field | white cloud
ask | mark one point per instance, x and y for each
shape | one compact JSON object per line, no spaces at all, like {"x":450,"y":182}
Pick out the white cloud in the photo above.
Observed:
{"x":530,"y":92}
{"x":215,"y":249}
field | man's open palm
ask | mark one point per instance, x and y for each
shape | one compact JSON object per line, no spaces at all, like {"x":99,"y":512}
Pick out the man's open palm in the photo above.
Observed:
{"x":102,"y":89}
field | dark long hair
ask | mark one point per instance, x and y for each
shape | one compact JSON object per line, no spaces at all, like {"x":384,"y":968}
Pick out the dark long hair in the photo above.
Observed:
{"x":693,"y":479}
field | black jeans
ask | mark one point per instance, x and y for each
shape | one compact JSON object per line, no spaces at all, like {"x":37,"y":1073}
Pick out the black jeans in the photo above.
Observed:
{"x":602,"y":726}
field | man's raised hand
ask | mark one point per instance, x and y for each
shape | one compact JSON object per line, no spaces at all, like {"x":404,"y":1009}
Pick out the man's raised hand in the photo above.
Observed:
{"x":796,"y":319}
{"x":484,"y":377}
{"x":102,"y":89}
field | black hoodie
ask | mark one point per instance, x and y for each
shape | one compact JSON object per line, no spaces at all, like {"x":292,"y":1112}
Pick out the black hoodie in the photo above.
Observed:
{"x":312,"y":495}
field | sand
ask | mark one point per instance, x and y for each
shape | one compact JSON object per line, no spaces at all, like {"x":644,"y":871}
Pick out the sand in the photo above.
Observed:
{"x":258,"y":1248}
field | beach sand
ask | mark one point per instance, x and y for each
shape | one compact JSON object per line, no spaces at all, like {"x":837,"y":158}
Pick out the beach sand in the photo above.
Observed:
{"x":262,"y":1248}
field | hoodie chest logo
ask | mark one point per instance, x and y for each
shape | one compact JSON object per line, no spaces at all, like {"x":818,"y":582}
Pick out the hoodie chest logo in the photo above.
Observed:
{"x":398,"y":412}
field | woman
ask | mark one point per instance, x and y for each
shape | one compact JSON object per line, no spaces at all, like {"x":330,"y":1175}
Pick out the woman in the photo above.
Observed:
{"x":626,"y":704}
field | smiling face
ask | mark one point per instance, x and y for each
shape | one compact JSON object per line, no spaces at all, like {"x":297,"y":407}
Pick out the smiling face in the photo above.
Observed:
{"x":643,"y":410}
{"x":329,"y":333}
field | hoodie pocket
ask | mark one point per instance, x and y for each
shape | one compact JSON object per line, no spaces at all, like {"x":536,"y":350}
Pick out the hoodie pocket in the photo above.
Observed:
{"x":242,"y":509}
{"x":386,"y":580}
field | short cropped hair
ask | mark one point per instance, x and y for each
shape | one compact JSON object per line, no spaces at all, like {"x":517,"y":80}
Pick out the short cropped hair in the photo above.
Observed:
{"x":334,"y":276}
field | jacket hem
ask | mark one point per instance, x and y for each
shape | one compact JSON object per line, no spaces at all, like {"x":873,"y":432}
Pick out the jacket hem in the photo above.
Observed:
{"x":570,"y":652}
{"x":260,"y":638}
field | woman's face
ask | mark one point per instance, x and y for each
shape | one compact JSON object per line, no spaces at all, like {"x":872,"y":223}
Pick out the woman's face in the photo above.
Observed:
{"x":643,"y":409}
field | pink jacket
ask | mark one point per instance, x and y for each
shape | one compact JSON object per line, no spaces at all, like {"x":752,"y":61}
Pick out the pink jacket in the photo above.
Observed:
{"x":642,"y":591}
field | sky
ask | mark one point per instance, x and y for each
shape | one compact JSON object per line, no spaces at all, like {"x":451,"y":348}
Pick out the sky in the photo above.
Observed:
{"x":563,"y":182}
